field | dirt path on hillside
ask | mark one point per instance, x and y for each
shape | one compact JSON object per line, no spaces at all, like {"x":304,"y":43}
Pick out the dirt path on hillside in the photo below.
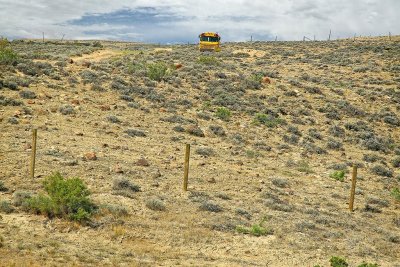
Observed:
{"x":97,"y":55}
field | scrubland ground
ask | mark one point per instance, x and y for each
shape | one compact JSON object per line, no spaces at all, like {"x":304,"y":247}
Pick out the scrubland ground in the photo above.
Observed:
{"x":270,"y":164}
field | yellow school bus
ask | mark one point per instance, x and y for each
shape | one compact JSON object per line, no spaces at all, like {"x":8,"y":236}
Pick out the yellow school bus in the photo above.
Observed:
{"x":209,"y":41}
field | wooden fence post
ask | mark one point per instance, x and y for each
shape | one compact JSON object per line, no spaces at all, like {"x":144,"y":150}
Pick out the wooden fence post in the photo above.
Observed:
{"x":353,"y":187}
{"x":33,"y":155}
{"x":186,"y":174}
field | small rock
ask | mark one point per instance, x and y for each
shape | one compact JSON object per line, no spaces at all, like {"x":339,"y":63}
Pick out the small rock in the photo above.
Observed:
{"x":266,"y":80}
{"x":72,"y":162}
{"x":156,"y":174}
{"x":118,"y":169}
{"x":178,"y":65}
{"x":17,"y":113}
{"x":142,"y":162}
{"x":195,"y":130}
{"x":86,"y":64}
{"x":105,"y":107}
{"x":41,"y":112}
{"x":212,"y":180}
{"x":90,"y":156}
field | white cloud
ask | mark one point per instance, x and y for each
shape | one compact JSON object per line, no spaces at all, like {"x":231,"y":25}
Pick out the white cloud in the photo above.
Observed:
{"x":235,"y":20}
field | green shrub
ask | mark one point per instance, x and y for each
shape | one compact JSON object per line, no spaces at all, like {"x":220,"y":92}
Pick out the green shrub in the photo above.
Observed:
{"x":396,"y":162}
{"x":136,"y":68}
{"x":338,"y":175}
{"x":364,"y":264}
{"x":3,"y":187}
{"x":267,"y":120}
{"x":338,"y":262}
{"x":303,"y":166}
{"x":6,"y":207}
{"x":157,"y":71}
{"x":7,"y":55}
{"x":396,"y":193}
{"x":223,"y":113}
{"x":20,"y":197}
{"x":208,"y":60}
{"x":255,"y":229}
{"x":66,"y":198}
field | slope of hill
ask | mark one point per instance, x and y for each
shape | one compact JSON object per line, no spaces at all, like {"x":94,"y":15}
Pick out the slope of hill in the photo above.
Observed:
{"x":274,"y":129}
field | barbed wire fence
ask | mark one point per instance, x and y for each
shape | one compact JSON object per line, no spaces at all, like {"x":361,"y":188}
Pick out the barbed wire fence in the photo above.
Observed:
{"x":37,"y":149}
{"x":33,"y":147}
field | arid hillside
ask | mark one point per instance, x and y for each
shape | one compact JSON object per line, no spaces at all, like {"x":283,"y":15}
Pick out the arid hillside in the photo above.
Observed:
{"x":274,"y":129}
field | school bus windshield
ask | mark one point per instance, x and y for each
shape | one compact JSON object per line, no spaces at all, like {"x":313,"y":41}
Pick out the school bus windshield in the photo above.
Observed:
{"x":208,"y":39}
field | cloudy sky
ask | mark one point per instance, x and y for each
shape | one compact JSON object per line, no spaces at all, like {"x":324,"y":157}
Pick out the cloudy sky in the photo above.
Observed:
{"x":174,"y":21}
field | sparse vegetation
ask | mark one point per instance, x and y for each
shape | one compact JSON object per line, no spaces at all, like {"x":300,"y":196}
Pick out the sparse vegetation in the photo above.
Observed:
{"x":155,"y":204}
{"x":124,"y":187}
{"x":303,"y":166}
{"x":223,"y":113}
{"x":208,"y":60}
{"x":3,"y":188}
{"x":338,"y":262}
{"x":6,"y":207}
{"x":157,"y":71}
{"x":396,"y":193}
{"x":382,"y":171}
{"x":267,"y":120}
{"x":210,"y":206}
{"x":7,"y":54}
{"x":256,"y":229}
{"x":205,"y":151}
{"x":338,"y":175}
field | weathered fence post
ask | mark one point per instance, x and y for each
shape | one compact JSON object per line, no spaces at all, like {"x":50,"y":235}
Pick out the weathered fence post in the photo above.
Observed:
{"x":33,"y":155}
{"x":353,"y":187}
{"x":186,"y":174}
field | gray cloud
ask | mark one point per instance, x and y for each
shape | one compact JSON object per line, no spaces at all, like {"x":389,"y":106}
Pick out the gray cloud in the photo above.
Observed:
{"x":181,"y":21}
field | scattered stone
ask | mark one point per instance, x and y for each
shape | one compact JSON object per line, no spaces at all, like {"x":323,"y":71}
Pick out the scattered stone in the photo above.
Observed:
{"x":156,"y":174}
{"x":90,"y":156}
{"x":86,"y":64}
{"x":178,"y":65}
{"x":266,"y":80}
{"x":13,"y":120}
{"x":142,"y":162}
{"x":212,"y":180}
{"x":118,"y":169}
{"x":66,"y":110}
{"x":105,"y":107}
{"x":195,"y":130}
{"x":134,"y":132}
{"x":72,"y":162}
